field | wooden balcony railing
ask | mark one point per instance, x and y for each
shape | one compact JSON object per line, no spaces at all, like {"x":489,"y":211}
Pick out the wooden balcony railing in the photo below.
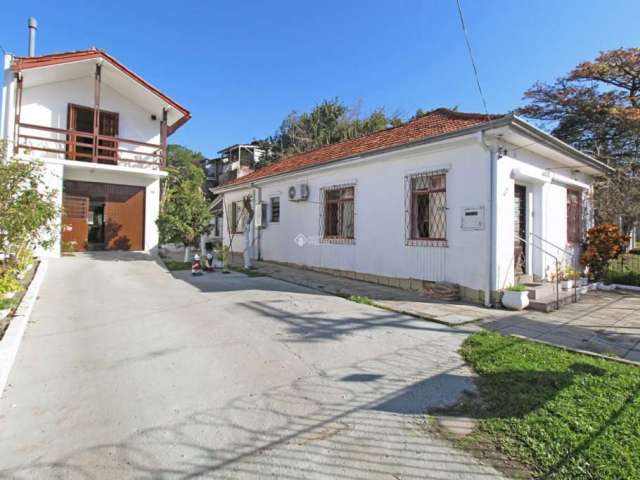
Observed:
{"x":89,"y":147}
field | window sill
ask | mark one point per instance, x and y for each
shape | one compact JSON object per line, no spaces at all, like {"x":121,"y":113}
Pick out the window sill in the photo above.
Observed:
{"x":338,"y":240}
{"x":426,"y":242}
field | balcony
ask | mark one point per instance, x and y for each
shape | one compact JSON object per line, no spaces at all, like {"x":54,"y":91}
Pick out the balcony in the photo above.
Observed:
{"x":87,"y":147}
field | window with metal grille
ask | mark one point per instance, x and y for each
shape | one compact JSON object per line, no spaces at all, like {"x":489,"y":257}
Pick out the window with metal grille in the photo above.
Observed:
{"x":275,"y":209}
{"x":338,"y":214}
{"x":426,"y":209}
{"x":574,"y":216}
{"x":238,"y":214}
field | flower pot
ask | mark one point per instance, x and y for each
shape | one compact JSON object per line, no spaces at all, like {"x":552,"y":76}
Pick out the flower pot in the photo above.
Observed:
{"x":515,"y":300}
{"x":566,"y":284}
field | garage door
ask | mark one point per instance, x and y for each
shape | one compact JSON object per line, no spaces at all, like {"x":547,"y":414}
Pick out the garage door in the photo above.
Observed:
{"x":114,"y":218}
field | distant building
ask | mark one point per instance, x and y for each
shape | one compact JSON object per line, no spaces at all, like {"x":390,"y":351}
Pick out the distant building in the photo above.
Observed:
{"x":233,"y":162}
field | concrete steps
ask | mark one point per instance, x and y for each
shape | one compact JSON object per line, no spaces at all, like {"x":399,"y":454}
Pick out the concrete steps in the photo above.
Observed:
{"x":542,"y":296}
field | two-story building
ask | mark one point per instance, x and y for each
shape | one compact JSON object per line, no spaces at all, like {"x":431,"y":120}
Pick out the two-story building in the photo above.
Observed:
{"x":232,"y":163}
{"x":101,"y":133}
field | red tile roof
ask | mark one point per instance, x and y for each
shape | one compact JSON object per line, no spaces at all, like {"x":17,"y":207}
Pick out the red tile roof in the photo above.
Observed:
{"x":434,"y":123}
{"x":25,"y":63}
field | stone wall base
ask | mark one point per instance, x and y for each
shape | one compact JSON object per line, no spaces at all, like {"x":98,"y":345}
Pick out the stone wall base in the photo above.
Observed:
{"x":443,"y":291}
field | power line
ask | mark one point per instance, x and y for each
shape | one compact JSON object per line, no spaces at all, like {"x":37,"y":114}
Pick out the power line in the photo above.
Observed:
{"x":473,"y":63}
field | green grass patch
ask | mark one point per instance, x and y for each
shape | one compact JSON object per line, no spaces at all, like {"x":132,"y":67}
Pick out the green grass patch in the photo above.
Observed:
{"x":361,"y":299}
{"x":563,"y":415}
{"x":174,"y":265}
{"x":250,"y":272}
{"x":8,"y":302}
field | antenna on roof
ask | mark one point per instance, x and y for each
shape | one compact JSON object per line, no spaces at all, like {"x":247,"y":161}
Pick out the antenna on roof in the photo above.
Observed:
{"x":33,"y":26}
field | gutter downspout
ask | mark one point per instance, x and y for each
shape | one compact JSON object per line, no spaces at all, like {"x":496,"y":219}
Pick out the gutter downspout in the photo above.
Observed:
{"x":493,"y":214}
{"x":258,"y":229}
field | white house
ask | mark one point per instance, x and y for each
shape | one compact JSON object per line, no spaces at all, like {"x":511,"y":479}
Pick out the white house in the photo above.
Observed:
{"x":479,"y":201}
{"x":101,"y":133}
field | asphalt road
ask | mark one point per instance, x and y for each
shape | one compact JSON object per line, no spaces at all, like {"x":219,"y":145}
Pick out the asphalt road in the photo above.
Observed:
{"x":126,"y":371}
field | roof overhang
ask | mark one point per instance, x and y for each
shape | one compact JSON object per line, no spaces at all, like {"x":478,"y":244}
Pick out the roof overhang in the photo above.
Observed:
{"x":523,"y":135}
{"x":68,"y":66}
{"x":510,"y":128}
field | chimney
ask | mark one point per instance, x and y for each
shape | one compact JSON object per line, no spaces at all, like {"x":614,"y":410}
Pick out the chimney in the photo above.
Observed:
{"x":33,"y":26}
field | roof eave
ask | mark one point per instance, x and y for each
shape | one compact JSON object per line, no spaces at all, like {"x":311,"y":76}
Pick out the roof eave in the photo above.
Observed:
{"x":508,"y":120}
{"x":18,"y":66}
{"x":423,"y":141}
{"x":540,"y":135}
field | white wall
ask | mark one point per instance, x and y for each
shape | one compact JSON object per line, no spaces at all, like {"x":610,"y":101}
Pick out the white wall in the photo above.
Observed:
{"x":47,"y":105}
{"x":380,"y":217}
{"x":547,"y":183}
{"x":52,"y":179}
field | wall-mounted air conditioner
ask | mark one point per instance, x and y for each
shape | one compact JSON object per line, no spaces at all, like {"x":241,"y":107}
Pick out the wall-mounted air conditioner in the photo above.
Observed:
{"x":299,"y":193}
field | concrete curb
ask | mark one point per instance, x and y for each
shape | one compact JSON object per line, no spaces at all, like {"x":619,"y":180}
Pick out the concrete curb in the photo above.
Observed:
{"x":10,"y":343}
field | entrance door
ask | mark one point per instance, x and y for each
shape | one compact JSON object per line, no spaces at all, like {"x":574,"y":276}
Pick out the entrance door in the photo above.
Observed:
{"x":520,"y":229}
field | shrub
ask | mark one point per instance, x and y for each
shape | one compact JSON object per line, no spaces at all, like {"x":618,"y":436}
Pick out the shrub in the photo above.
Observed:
{"x":624,"y":277}
{"x":28,"y":212}
{"x":605,"y":242}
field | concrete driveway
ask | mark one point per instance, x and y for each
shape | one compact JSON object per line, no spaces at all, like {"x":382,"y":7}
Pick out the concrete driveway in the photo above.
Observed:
{"x":129,"y":372}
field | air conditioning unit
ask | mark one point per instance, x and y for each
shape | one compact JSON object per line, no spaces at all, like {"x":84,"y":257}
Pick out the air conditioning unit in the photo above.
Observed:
{"x":299,"y":193}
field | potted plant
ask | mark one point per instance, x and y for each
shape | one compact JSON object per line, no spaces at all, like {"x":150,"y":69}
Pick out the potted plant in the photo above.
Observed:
{"x":567,"y":278}
{"x":515,"y":297}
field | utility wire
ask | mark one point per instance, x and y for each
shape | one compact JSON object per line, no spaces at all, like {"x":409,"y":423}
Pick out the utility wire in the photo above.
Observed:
{"x":473,"y":63}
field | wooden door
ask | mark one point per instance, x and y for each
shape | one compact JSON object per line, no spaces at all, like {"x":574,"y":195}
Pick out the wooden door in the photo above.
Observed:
{"x":80,"y":147}
{"x":124,"y":218}
{"x":107,"y":149}
{"x":75,"y":229}
{"x":520,"y":229}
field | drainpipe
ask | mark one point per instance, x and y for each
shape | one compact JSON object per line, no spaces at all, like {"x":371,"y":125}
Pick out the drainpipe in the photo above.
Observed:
{"x":493,"y":213}
{"x":258,"y":204}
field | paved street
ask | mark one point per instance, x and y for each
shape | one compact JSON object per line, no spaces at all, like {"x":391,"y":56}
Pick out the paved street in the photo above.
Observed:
{"x":126,"y":371}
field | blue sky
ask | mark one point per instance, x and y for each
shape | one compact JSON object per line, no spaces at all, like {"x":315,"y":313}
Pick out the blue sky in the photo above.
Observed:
{"x":242,"y":66}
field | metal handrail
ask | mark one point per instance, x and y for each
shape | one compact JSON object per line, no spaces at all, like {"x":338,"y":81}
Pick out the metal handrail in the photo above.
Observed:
{"x":574,"y":261}
{"x":557,"y":267}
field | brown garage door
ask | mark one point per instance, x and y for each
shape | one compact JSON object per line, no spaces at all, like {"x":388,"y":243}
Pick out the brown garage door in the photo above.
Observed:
{"x":115,"y":215}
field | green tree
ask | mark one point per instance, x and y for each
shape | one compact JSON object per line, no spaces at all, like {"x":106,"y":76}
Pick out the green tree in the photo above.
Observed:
{"x":184,"y":210}
{"x":596,"y":108}
{"x":329,"y":122}
{"x":28,"y":215}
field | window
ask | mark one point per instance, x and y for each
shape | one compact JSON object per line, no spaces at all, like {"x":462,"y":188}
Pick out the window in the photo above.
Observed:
{"x":275,"y":209}
{"x":338,"y":212}
{"x":574,"y":216}
{"x":238,"y":217}
{"x":426,"y":209}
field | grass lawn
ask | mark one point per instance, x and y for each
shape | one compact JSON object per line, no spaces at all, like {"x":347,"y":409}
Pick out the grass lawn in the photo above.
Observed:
{"x":561,"y":414}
